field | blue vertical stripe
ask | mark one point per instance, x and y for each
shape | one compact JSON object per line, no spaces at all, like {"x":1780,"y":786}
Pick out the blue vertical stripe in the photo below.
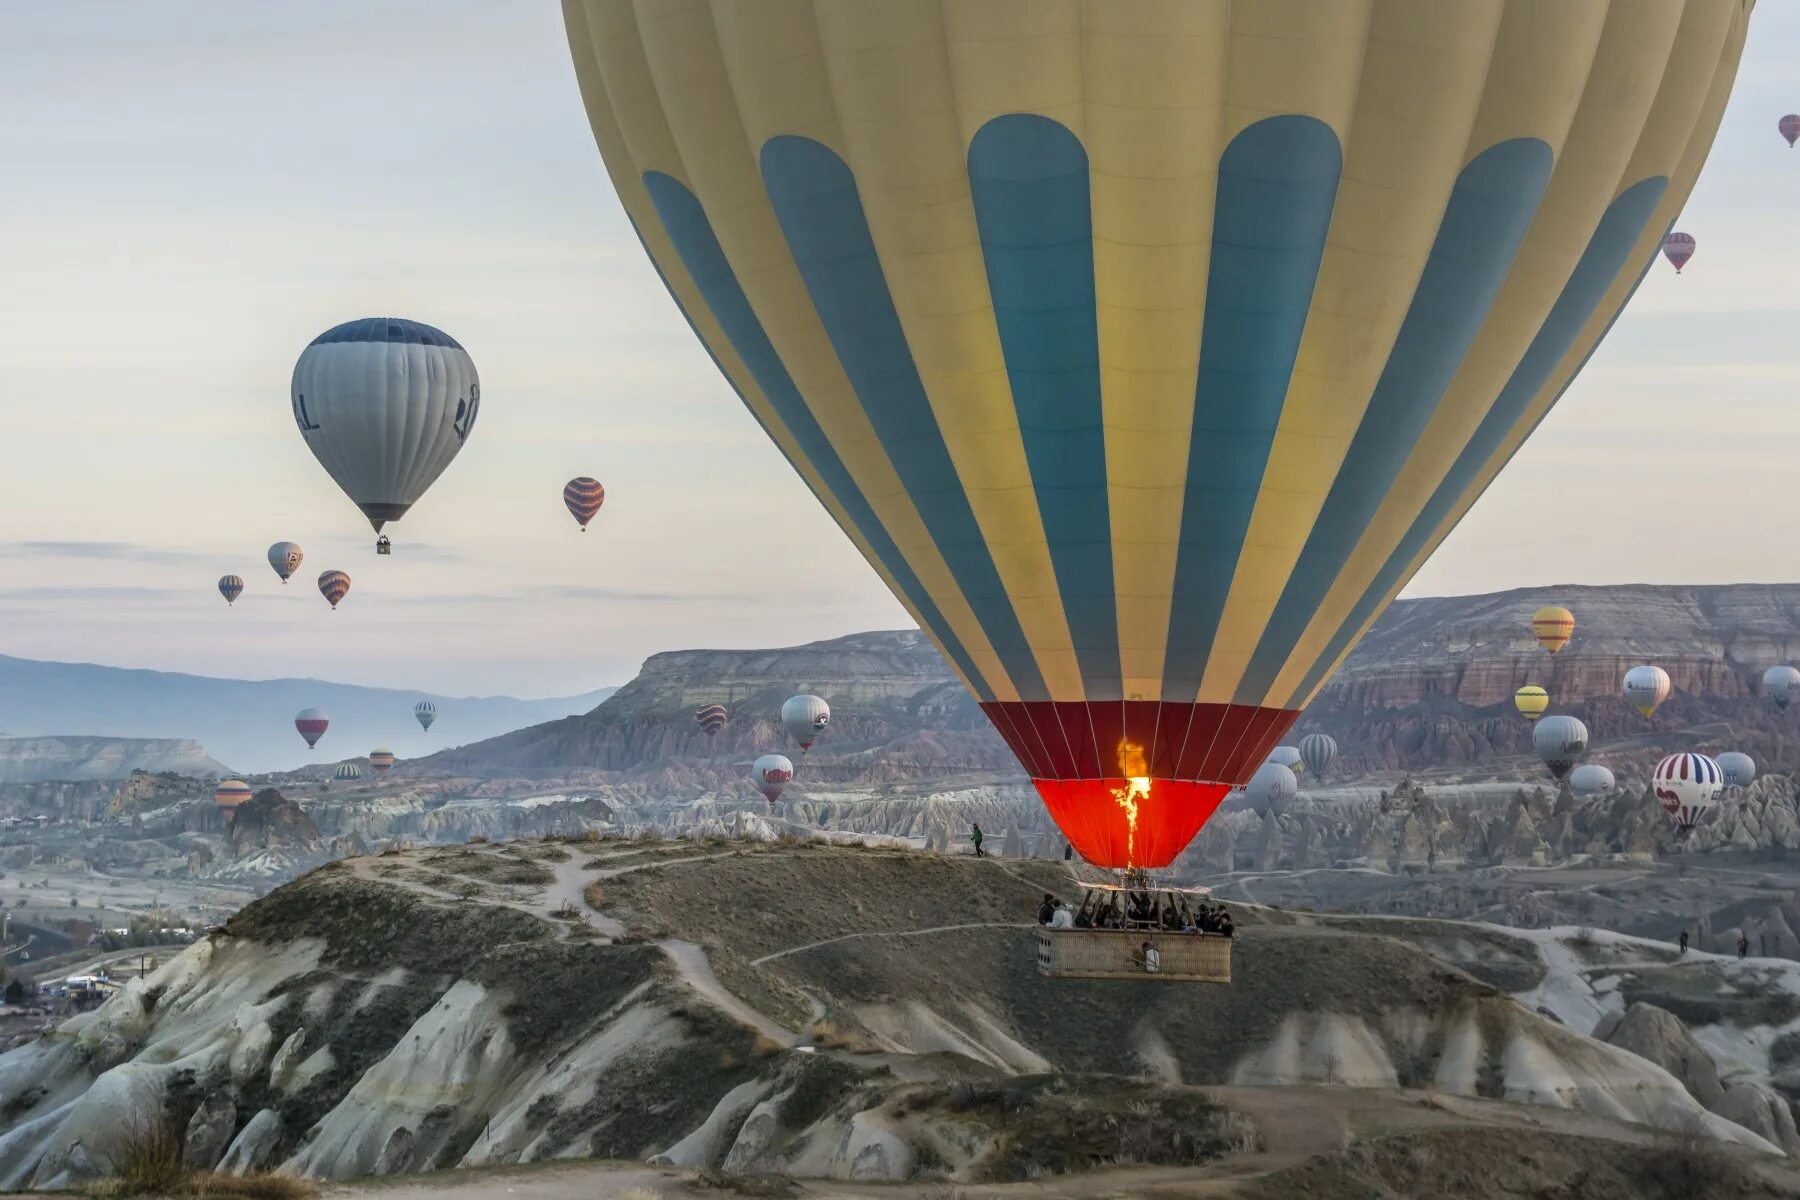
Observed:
{"x":1278,"y":182}
{"x":692,"y":235}
{"x":1490,"y":210}
{"x":1606,"y":256}
{"x":1028,"y":178}
{"x":821,"y":215}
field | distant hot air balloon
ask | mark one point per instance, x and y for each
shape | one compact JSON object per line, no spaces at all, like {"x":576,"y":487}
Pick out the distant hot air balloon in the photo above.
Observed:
{"x":1560,"y":741}
{"x":285,"y":558}
{"x":711,"y":718}
{"x":334,"y":586}
{"x":1145,"y":413}
{"x":1781,"y":684}
{"x":229,"y":794}
{"x":1790,"y":128}
{"x":230,"y":587}
{"x":311,"y":723}
{"x":1646,"y":688}
{"x":1287,"y":756}
{"x":805,"y":718}
{"x":1553,"y":626}
{"x":384,"y":405}
{"x":1590,"y":779}
{"x":1678,"y":248}
{"x":583,"y":496}
{"x":347,"y":771}
{"x":1736,"y":768}
{"x":425,"y":712}
{"x":1318,"y":751}
{"x":771,"y":773}
{"x":1686,"y":786}
{"x":381,"y":759}
{"x":1531,"y":701}
{"x":1272,"y":788}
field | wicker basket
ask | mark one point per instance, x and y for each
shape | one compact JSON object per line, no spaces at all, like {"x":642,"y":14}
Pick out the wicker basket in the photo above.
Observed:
{"x":1117,"y":954}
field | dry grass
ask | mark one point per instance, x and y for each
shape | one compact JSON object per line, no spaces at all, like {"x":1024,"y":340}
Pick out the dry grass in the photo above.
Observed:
{"x":595,"y":895}
{"x":765,"y":1046}
{"x":146,"y":1153}
{"x":477,"y":839}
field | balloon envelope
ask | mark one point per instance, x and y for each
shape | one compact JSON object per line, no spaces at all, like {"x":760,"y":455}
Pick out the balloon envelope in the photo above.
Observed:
{"x":311,"y":722}
{"x":230,"y":793}
{"x":1146,"y":351}
{"x":1790,"y":128}
{"x":1553,"y":626}
{"x":805,"y":718}
{"x":384,"y":405}
{"x":1287,"y":756}
{"x":1531,"y":701}
{"x":230,"y":587}
{"x":1590,"y":779}
{"x":1272,"y":788}
{"x":771,"y":773}
{"x":334,"y":586}
{"x":1687,"y":785}
{"x":1781,"y":684}
{"x":382,"y":760}
{"x":285,"y":558}
{"x":711,"y":718}
{"x":425,"y":712}
{"x":1318,"y":751}
{"x":1646,"y":688}
{"x":347,"y":771}
{"x":1560,"y":741}
{"x":583,"y":498}
{"x":1678,"y":248}
{"x":1736,"y":768}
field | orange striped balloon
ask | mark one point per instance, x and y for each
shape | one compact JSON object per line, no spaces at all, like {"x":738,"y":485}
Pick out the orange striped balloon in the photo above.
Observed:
{"x":584,"y":497}
{"x":1552,"y":627}
{"x":334,"y":586}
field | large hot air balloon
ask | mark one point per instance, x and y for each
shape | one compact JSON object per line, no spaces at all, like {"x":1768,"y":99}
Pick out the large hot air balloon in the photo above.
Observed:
{"x":1560,"y":741}
{"x":1736,"y":768}
{"x":1646,"y":688}
{"x":425,"y":712}
{"x":334,"y":586}
{"x":311,"y":723}
{"x":230,"y":587}
{"x":1272,"y":788}
{"x":805,"y":718}
{"x":1318,"y":751}
{"x":1590,"y":779}
{"x":1553,"y":626}
{"x":1287,"y":756}
{"x":1790,"y":128}
{"x":1146,"y":351}
{"x":1781,"y":684}
{"x":381,"y":759}
{"x":1531,"y":701}
{"x":711,"y":718}
{"x":1686,"y":785}
{"x":285,"y":558}
{"x":772,"y":772}
{"x":384,"y":405}
{"x":347,"y":771}
{"x":1678,"y":248}
{"x":229,"y":795}
{"x":583,"y":497}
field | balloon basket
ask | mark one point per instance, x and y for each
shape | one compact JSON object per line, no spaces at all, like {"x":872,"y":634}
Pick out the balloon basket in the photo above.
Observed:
{"x":1136,"y":912}
{"x":383,"y":546}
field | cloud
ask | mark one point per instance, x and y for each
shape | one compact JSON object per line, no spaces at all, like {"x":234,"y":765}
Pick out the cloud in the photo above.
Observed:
{"x":103,"y":551}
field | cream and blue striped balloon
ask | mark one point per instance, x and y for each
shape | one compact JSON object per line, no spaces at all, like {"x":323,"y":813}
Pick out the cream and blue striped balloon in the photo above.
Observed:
{"x":1146,"y":348}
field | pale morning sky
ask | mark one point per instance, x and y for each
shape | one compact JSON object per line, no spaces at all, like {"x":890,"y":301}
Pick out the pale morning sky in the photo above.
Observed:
{"x":195,"y":188}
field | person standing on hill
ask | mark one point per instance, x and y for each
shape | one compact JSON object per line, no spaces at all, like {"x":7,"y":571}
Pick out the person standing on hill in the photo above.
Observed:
{"x":976,"y":838}
{"x":1743,"y":945}
{"x":1684,"y":941}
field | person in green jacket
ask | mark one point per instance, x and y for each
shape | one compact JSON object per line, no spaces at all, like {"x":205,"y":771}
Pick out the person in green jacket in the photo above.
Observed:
{"x":976,"y":838}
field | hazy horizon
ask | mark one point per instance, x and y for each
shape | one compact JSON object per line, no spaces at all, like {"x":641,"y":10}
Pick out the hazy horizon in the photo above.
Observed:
{"x":211,"y":185}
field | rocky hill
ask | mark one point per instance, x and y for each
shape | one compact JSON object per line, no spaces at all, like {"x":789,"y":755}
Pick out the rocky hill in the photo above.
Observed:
{"x":78,"y":759}
{"x":857,"y":1014}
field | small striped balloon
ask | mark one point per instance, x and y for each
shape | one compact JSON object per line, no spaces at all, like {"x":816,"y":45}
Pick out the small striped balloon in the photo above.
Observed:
{"x":584,"y":497}
{"x":334,"y":586}
{"x":1790,"y":128}
{"x":347,"y":771}
{"x":230,"y":587}
{"x":1678,"y":248}
{"x":382,"y":759}
{"x":1553,"y":626}
{"x":711,"y":718}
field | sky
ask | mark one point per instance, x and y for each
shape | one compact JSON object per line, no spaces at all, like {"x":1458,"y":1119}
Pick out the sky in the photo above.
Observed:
{"x":194,"y":189}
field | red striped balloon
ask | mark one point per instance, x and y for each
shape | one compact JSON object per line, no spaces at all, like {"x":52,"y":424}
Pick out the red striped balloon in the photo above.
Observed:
{"x":711,"y":718}
{"x":1678,"y":248}
{"x":584,"y":497}
{"x":334,"y":586}
{"x":1790,"y":128}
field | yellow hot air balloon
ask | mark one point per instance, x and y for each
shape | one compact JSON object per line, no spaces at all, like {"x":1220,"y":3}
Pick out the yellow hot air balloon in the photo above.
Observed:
{"x":1553,"y":626}
{"x":1531,"y":701}
{"x":1147,"y":349}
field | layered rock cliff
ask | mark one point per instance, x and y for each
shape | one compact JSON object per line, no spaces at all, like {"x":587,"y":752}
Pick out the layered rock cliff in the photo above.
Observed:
{"x":38,"y":759}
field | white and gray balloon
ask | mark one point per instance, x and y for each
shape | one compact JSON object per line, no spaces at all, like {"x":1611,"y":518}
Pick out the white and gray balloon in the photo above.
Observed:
{"x":1272,"y":788}
{"x":384,"y":405}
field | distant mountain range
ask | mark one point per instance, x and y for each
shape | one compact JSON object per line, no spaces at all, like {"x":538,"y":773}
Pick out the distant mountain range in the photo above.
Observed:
{"x":249,"y":724}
